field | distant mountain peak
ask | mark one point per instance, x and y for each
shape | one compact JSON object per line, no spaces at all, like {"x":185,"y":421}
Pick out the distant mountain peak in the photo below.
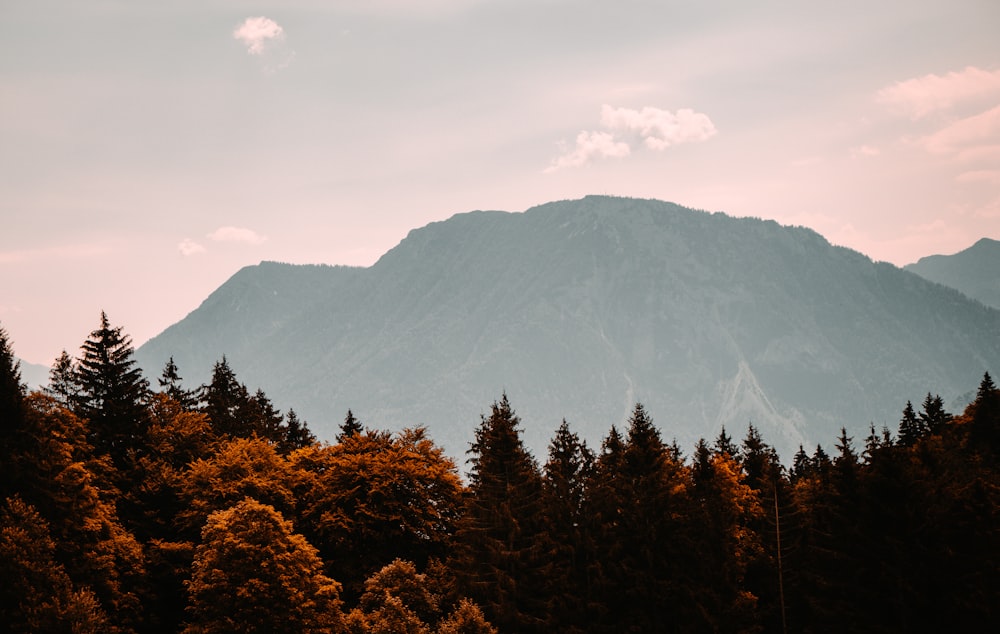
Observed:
{"x":577,"y":308}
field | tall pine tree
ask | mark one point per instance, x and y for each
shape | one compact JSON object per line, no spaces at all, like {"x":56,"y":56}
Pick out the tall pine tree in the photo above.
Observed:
{"x":112,"y":394}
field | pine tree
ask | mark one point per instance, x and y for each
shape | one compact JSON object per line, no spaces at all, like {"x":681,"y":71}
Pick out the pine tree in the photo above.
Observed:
{"x":296,"y":434}
{"x":566,"y":473}
{"x":63,"y":384}
{"x":933,"y":416}
{"x":170,"y":384}
{"x":985,"y":423}
{"x":350,"y":427}
{"x":910,"y":427}
{"x":112,"y":394}
{"x":501,"y":535}
{"x":12,"y":394}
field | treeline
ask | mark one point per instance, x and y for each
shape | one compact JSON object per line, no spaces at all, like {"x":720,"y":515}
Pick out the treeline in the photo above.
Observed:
{"x":132,"y":509}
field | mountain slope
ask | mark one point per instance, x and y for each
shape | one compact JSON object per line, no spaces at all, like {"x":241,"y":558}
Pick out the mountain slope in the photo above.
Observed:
{"x":974,"y":271}
{"x":577,"y":309}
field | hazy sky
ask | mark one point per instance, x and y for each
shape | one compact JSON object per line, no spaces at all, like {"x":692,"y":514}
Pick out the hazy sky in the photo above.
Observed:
{"x":148,"y":150}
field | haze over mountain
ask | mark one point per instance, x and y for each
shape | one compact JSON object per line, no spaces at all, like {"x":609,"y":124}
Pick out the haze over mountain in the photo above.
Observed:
{"x":578,"y":309}
{"x":974,"y":271}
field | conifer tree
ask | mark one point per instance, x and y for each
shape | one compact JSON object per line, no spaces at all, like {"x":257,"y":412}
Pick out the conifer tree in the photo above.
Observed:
{"x":12,"y":432}
{"x":933,"y":415}
{"x":63,"y":381}
{"x":501,"y":534}
{"x":112,"y":394}
{"x":985,"y":423}
{"x":170,"y":384}
{"x":566,"y":473}
{"x":350,"y":427}
{"x":910,"y":427}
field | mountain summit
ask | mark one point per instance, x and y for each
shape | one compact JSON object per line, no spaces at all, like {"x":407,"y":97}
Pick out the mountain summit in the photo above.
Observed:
{"x":578,"y":309}
{"x":974,"y":271}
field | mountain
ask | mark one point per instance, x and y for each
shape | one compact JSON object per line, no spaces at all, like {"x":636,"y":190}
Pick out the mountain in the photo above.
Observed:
{"x":578,"y":309}
{"x":34,"y":375}
{"x":974,"y":271}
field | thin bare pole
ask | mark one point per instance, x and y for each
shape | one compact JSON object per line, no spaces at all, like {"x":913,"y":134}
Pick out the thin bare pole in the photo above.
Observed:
{"x":781,"y":579}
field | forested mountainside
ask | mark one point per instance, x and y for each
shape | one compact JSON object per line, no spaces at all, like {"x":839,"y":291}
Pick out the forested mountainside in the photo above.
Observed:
{"x":579,"y":309}
{"x":203,"y":509}
{"x":974,"y":271}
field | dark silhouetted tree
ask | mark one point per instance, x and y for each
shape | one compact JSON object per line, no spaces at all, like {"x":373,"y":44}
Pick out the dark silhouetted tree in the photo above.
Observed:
{"x":350,"y":427}
{"x":63,"y":385}
{"x":502,"y":532}
{"x":171,"y":384}
{"x":112,"y":395}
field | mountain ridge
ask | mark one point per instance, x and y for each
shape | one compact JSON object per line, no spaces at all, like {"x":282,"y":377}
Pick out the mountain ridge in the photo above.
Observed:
{"x":577,"y":309}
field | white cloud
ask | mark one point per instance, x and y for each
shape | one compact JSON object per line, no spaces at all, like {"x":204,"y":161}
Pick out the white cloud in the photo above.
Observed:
{"x":918,"y":97}
{"x":187,"y":247}
{"x":658,"y":128}
{"x":236,"y":234}
{"x":259,"y":33}
{"x":590,"y":145}
{"x":265,"y":39}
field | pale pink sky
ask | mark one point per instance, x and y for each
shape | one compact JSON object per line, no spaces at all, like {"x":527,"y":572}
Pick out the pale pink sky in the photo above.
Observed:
{"x":150,"y":150}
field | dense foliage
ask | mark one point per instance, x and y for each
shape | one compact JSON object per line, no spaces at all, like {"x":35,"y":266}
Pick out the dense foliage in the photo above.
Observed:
{"x":207,"y":510}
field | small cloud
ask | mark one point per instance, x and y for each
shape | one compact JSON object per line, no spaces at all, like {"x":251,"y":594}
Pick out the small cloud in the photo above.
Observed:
{"x":236,"y":234}
{"x":658,"y":128}
{"x":920,"y":96}
{"x":864,"y":150}
{"x":188,"y":247}
{"x":265,"y":39}
{"x":588,"y":146}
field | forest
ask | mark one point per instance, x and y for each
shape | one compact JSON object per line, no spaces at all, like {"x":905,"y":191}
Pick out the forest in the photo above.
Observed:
{"x":129,"y":507}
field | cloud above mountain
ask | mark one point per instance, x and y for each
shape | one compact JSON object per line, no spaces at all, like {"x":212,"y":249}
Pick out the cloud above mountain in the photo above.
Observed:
{"x":265,"y":39}
{"x":655,"y":128}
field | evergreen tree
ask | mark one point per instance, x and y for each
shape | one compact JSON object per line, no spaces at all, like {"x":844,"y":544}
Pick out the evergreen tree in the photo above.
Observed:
{"x":985,"y":423}
{"x":225,"y":400}
{"x":63,"y":385}
{"x":501,"y":535}
{"x":566,"y":473}
{"x":170,"y":384}
{"x":933,"y":416}
{"x":910,"y":427}
{"x":350,"y":427}
{"x":112,"y":394}
{"x":296,"y":434}
{"x":12,"y":439}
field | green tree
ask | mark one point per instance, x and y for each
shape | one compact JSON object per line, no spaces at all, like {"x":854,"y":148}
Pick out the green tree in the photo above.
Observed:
{"x":253,"y":573}
{"x":12,"y":423}
{"x":933,"y":415}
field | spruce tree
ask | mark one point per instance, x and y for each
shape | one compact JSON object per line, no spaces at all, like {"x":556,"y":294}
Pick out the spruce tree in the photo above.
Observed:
{"x":170,"y":384}
{"x":63,"y":380}
{"x":12,"y":433}
{"x":501,"y":535}
{"x":112,"y":394}
{"x":933,"y":416}
{"x":350,"y":427}
{"x":910,"y":427}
